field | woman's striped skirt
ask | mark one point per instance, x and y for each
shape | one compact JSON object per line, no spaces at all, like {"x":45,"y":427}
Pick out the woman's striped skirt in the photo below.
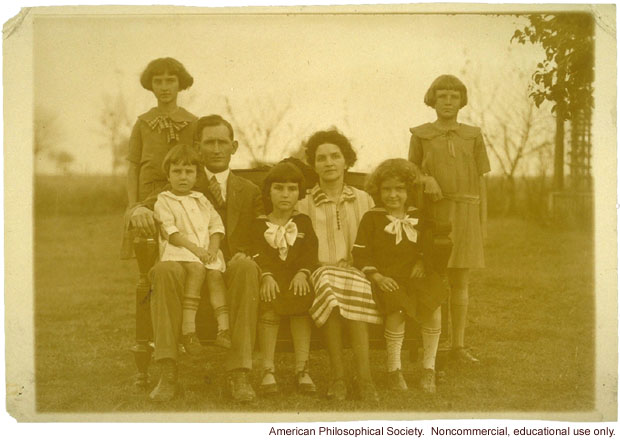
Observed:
{"x":345,"y":288}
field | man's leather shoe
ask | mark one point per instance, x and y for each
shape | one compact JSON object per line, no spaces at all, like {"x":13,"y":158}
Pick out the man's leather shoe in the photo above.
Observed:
{"x":168,"y":386}
{"x":240,"y":388}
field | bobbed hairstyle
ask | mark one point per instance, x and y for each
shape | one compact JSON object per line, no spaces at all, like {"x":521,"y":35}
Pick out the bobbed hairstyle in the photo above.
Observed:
{"x":282,"y":172}
{"x":400,"y":169}
{"x":445,"y":82}
{"x":212,"y":121}
{"x":166,"y":65}
{"x":331,"y":136}
{"x":181,"y":154}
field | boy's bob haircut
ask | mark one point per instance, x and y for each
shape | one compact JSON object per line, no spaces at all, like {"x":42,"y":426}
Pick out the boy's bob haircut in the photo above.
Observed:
{"x":445,"y":82}
{"x":166,"y":65}
{"x":400,"y":169}
{"x":282,"y":172}
{"x":181,"y":154}
{"x":332,"y":136}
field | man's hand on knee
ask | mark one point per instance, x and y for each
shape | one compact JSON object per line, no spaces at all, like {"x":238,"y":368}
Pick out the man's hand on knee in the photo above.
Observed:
{"x":143,"y":222}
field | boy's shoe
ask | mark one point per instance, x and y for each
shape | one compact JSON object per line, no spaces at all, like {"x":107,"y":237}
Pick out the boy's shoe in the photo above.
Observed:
{"x":337,"y":390}
{"x":396,"y":381}
{"x":223,"y":339}
{"x":192,"y":344}
{"x":427,"y":381}
{"x":462,"y":355}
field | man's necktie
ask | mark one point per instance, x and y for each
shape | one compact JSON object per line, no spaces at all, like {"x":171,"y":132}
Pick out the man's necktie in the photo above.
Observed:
{"x":216,"y":192}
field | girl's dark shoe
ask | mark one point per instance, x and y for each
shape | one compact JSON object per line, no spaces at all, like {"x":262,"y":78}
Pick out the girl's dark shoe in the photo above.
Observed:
{"x":305,"y":385}
{"x":192,"y":344}
{"x":396,"y":381}
{"x":368,"y":392}
{"x":427,"y":381}
{"x":337,"y":390}
{"x":268,"y":389}
{"x":462,"y":355}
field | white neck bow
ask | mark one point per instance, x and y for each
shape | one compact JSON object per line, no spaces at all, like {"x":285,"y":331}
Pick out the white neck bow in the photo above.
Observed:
{"x":399,"y":225}
{"x":281,"y":237}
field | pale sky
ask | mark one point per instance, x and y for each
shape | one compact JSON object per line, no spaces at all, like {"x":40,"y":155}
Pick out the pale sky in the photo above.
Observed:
{"x":367,"y":75}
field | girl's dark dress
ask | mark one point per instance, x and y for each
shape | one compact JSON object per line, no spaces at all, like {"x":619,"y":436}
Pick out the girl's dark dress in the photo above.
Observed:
{"x":375,"y":250}
{"x":301,"y":256}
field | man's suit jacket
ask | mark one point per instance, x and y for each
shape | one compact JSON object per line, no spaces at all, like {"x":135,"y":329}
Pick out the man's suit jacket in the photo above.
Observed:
{"x":243,"y":204}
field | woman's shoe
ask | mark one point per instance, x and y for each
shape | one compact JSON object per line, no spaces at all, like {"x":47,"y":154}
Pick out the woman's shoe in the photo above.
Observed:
{"x":337,"y":390}
{"x":270,"y":388}
{"x":307,"y":386}
{"x":396,"y":381}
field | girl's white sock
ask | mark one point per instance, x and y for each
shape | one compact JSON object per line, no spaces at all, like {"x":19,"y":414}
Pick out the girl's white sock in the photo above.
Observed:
{"x":430,"y":342}
{"x":393,"y":345}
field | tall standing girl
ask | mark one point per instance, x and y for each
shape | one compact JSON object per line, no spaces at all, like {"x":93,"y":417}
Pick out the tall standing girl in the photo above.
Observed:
{"x":454,"y":159}
{"x":158,"y":130}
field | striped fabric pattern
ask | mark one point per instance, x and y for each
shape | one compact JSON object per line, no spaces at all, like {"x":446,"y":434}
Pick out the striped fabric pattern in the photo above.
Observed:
{"x":347,"y":289}
{"x":335,"y":224}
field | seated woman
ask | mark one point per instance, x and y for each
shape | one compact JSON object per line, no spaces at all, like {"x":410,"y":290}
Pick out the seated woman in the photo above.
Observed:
{"x":285,"y":248}
{"x":343,"y":294}
{"x":390,"y":249}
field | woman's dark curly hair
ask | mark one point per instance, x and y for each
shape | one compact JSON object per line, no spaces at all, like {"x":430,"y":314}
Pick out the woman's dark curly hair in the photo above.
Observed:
{"x":332,"y":136}
{"x":282,"y":172}
{"x":166,"y":65}
{"x":445,"y":82}
{"x":400,"y":169}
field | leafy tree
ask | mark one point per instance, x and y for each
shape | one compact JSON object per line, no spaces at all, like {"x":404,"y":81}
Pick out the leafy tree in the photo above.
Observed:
{"x":565,"y":76}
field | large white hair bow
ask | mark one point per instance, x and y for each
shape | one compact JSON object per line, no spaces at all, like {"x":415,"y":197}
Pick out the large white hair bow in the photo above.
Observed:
{"x":399,"y":225}
{"x":281,"y":237}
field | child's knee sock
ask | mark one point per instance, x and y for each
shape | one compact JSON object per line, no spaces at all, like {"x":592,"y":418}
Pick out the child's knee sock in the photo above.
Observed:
{"x":394,"y":334}
{"x":268,"y":326}
{"x":430,"y":341}
{"x":301,"y":330}
{"x":221,"y":316}
{"x":190,"y":306}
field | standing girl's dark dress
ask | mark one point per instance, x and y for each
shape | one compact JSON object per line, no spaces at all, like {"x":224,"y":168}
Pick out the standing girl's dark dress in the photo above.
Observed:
{"x":283,"y":264}
{"x":376,"y":250}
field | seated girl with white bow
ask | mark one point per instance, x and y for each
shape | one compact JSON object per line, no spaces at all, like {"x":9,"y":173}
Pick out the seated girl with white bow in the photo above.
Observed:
{"x":285,"y":248}
{"x":389,"y":250}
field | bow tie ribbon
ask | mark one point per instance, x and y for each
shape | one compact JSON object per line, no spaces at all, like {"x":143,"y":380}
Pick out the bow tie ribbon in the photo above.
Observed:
{"x":281,"y":237}
{"x":399,"y":225}
{"x":170,"y":127}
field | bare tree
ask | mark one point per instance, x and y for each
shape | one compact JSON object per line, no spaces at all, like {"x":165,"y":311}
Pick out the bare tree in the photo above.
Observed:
{"x":515,"y":131}
{"x":47,"y":138}
{"x":265,"y":128}
{"x":115,"y":126}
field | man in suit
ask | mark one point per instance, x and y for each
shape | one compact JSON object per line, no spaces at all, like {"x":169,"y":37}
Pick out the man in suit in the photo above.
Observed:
{"x":238,"y":201}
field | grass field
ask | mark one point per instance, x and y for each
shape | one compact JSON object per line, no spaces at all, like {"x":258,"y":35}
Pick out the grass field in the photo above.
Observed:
{"x":531,"y":324}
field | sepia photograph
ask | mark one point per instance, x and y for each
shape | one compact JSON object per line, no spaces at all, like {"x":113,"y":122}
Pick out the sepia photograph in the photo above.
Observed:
{"x":311,"y":213}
